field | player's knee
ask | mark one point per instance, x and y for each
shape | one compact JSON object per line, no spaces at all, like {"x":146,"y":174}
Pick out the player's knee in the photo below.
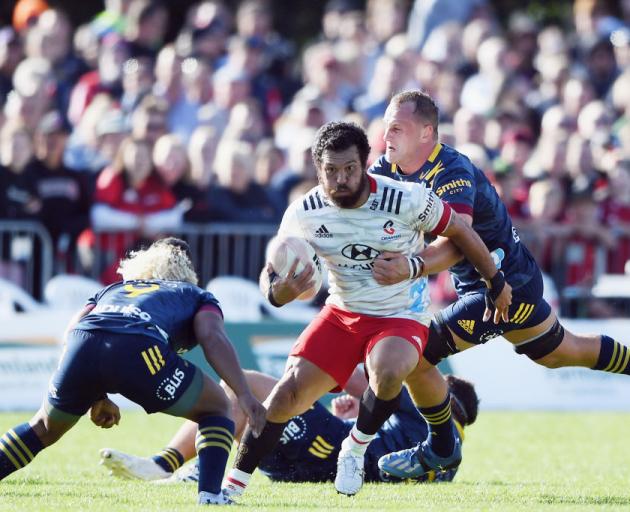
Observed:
{"x":386,"y":378}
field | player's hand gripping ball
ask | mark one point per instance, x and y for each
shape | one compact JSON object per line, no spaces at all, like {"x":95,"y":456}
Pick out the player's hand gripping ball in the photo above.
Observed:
{"x":282,"y":251}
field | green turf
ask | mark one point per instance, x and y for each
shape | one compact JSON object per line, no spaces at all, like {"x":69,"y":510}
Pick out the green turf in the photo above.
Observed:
{"x":512,"y":461}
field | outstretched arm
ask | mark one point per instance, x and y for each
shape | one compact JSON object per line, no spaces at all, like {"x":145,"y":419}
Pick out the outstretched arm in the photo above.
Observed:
{"x":220,"y":353}
{"x":470,"y":244}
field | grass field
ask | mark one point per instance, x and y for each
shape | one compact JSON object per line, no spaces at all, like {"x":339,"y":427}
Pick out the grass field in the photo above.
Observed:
{"x":512,"y":461}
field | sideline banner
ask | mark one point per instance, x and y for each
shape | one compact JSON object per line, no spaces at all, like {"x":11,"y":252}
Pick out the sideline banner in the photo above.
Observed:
{"x":504,"y":380}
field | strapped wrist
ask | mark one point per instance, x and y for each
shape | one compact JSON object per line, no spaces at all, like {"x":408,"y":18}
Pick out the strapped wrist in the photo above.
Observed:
{"x":416,"y":266}
{"x":496,"y":285}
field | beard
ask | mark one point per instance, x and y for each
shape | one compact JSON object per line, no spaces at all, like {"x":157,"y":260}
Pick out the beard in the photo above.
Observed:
{"x":348,"y":200}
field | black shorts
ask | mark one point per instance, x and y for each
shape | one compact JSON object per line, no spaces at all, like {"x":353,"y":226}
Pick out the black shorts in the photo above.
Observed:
{"x":465,"y":319}
{"x":140,"y":368}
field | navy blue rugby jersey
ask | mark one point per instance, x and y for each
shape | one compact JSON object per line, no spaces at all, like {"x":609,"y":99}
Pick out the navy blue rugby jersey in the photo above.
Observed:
{"x":160,"y":309}
{"x":310,"y":444}
{"x":455,"y":179}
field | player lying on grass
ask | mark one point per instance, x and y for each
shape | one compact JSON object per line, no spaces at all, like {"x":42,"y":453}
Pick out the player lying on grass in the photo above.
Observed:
{"x":310,"y":443}
{"x":413,"y":154}
{"x":125,"y":340}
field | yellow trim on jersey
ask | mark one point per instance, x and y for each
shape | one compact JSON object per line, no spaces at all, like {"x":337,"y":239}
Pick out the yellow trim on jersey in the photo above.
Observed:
{"x":148,"y":362}
{"x":323,"y":442}
{"x":154,"y":358}
{"x":321,"y":455}
{"x":522,"y":313}
{"x":437,"y":168}
{"x":435,"y":152}
{"x":159,"y":355}
{"x":394,"y":168}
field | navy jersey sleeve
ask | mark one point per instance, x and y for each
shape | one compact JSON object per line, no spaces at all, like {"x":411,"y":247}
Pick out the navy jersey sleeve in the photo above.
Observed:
{"x":381,"y":167}
{"x":93,"y":301}
{"x":208,"y":302}
{"x":456,"y":186}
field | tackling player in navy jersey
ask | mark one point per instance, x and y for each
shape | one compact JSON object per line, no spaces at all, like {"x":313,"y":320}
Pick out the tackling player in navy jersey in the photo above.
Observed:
{"x":311,"y":441}
{"x":125,"y":340}
{"x":413,"y":153}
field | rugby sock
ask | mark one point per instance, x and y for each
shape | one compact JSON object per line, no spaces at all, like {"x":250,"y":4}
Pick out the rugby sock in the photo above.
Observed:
{"x":169,"y":459}
{"x":18,"y":447}
{"x":250,"y":452}
{"x":613,"y":357}
{"x":441,"y":424}
{"x":373,"y":411}
{"x":357,"y":441}
{"x":213,"y":443}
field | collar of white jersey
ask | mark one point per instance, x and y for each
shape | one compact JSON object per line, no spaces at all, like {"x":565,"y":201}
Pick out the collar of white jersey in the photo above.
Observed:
{"x":372,"y":184}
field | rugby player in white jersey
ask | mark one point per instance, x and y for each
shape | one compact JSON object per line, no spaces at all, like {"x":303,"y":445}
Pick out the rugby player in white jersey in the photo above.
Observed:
{"x":349,"y":219}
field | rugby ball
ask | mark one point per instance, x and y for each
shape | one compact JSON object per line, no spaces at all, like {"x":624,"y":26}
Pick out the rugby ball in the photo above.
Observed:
{"x":282,"y":251}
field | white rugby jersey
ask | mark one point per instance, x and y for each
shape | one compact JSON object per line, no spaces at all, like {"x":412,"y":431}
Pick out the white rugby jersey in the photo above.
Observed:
{"x":348,"y":240}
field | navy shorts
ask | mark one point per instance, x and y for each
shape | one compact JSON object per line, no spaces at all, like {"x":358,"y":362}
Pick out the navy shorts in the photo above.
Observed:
{"x":465,"y":318}
{"x":140,"y":368}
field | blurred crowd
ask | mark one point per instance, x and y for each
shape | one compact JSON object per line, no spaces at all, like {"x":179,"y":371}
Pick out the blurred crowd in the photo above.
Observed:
{"x":108,"y":126}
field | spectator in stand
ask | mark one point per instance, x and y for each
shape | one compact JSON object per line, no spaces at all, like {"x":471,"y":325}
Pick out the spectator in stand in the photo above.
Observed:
{"x":33,"y":92}
{"x":202,"y":148}
{"x":89,"y":149}
{"x":231,"y":86}
{"x":107,"y":78}
{"x":236,"y":197}
{"x":50,"y":39}
{"x":62,"y":192}
{"x":516,"y":150}
{"x":137,"y":81}
{"x":246,"y":123}
{"x":148,"y":121}
{"x":546,"y":205}
{"x":617,"y":214}
{"x":470,"y":128}
{"x":112,"y":19}
{"x":130,"y":197}
{"x":587,"y":244}
{"x":385,"y":82}
{"x":170,"y":160}
{"x":322,"y":80}
{"x":481,"y":91}
{"x":511,"y":190}
{"x":145,"y":25}
{"x":10,"y":56}
{"x":18,"y":191}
